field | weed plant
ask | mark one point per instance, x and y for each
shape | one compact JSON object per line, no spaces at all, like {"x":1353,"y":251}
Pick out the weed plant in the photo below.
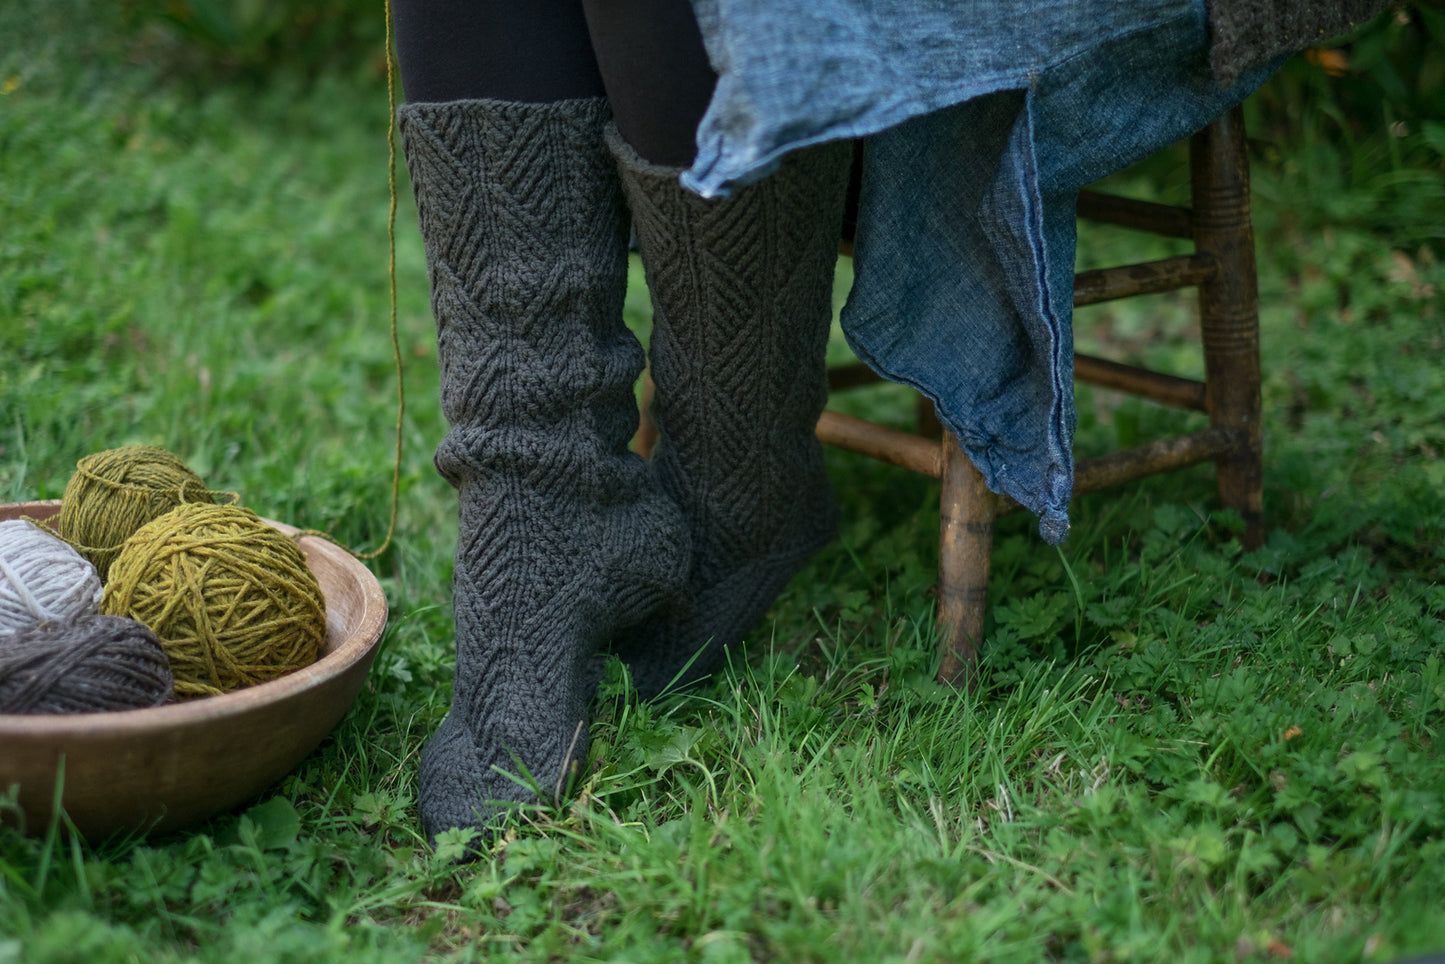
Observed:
{"x":1177,"y":751}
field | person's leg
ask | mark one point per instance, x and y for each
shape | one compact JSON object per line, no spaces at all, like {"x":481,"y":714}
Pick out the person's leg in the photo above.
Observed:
{"x":742,"y":296}
{"x":564,"y":537}
{"x":742,"y":307}
{"x":656,"y":72}
{"x":534,"y":52}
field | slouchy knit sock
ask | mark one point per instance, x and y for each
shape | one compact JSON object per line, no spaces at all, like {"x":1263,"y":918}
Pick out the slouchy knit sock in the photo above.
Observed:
{"x":564,"y":537}
{"x":1247,"y":33}
{"x":742,"y":306}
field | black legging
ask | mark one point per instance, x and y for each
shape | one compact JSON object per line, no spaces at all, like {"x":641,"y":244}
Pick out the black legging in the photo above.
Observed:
{"x":645,"y":56}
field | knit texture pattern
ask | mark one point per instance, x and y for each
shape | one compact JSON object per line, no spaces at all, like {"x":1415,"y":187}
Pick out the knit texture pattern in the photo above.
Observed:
{"x":115,"y":492}
{"x":563,"y":536}
{"x":742,"y":306}
{"x":42,"y":578}
{"x":232,"y":599}
{"x":90,"y":664}
{"x":1245,"y":33}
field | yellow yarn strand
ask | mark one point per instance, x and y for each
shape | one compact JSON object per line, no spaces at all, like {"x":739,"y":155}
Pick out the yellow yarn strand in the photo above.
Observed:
{"x":391,"y":275}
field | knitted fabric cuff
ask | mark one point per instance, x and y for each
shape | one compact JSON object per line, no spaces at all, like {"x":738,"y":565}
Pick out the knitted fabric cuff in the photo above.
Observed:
{"x":1246,"y":33}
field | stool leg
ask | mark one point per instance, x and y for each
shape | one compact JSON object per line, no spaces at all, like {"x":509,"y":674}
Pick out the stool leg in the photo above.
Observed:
{"x":1229,"y":313}
{"x":966,"y":512}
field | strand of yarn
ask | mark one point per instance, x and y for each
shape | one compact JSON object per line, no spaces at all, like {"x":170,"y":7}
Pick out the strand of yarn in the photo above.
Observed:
{"x":115,"y":492}
{"x":231,"y":599}
{"x":391,"y":275}
{"x":92,"y":664}
{"x":42,"y":578}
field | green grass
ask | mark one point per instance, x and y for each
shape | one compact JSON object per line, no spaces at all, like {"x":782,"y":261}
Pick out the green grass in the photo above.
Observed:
{"x":1179,"y":751}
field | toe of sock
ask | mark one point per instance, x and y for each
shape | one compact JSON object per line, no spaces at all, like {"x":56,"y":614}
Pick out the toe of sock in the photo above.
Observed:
{"x":457,"y":789}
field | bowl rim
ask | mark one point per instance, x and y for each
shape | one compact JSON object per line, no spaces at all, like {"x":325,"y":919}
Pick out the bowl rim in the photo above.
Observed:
{"x":333,"y":663}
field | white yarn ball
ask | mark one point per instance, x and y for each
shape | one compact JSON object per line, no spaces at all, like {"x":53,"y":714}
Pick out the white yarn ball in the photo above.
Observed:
{"x":42,"y":579}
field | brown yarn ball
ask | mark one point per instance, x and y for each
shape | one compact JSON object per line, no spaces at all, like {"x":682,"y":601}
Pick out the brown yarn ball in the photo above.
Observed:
{"x":115,"y":492}
{"x":90,"y":664}
{"x":231,"y":598}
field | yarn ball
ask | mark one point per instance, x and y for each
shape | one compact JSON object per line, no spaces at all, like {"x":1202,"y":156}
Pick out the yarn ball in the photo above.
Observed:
{"x":91,"y":664}
{"x":231,"y":598}
{"x":42,"y":578}
{"x":115,"y":492}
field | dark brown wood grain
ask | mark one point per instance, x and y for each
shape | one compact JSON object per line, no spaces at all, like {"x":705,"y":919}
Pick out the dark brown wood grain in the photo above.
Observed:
{"x":966,"y":510}
{"x":1229,"y":313}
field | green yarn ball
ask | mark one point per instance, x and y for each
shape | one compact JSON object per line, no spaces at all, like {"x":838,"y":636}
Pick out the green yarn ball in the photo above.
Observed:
{"x":115,"y":492}
{"x":231,"y":599}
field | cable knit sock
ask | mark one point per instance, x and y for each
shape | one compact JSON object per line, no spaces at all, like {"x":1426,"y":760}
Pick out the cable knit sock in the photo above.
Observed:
{"x":742,"y":306}
{"x":564,"y":537}
{"x":1247,"y":33}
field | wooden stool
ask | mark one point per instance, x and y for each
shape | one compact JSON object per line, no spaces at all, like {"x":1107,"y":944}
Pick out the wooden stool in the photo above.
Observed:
{"x":1222,"y":268}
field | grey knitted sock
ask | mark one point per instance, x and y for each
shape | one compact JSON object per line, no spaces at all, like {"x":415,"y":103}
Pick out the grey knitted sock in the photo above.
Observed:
{"x":742,"y":306}
{"x":1246,"y":33}
{"x":564,"y":536}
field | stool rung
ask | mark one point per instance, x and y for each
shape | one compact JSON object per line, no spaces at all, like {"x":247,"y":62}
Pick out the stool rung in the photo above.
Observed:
{"x":1130,"y":465}
{"x":925,"y":456}
{"x":894,"y":446}
{"x":1155,"y":386}
{"x":1165,"y":455}
{"x":1150,"y":277}
{"x":1165,"y":219}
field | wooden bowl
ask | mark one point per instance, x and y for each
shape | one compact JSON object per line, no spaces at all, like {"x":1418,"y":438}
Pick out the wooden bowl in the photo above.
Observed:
{"x":172,"y":766}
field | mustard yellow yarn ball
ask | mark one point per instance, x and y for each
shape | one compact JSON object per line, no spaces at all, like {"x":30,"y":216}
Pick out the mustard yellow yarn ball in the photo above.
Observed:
{"x":115,"y":492}
{"x":231,"y":599}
